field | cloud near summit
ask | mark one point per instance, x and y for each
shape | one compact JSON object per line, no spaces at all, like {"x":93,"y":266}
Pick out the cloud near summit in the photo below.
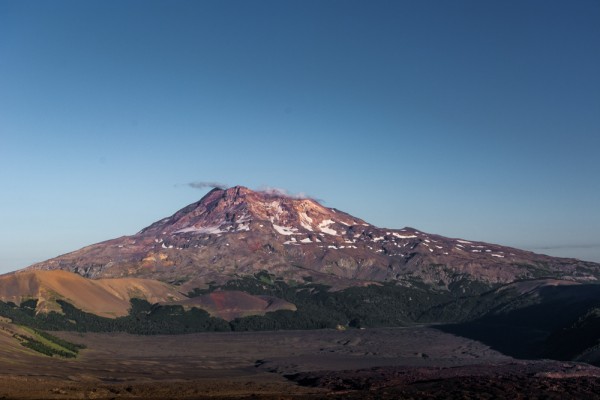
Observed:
{"x":204,"y":185}
{"x":272,"y":191}
{"x":267,"y":190}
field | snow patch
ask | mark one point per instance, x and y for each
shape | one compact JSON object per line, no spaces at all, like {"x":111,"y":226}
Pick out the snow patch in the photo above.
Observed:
{"x":243,"y":218}
{"x":306,"y":221}
{"x":243,"y":227}
{"x":306,"y":240}
{"x":201,"y":230}
{"x":306,"y":226}
{"x":399,"y":236}
{"x":284,"y":230}
{"x":324,"y":227}
{"x":276,"y":207}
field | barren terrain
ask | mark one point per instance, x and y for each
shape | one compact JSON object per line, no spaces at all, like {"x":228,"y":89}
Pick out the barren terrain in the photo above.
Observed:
{"x":378,"y":363}
{"x":105,"y":297}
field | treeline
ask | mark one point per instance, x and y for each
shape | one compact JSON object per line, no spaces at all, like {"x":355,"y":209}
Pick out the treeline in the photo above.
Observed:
{"x":72,"y":347}
{"x":318,"y":307}
{"x":42,"y":348}
{"x":143,"y":319}
{"x":376,"y":305}
{"x":50,"y":345}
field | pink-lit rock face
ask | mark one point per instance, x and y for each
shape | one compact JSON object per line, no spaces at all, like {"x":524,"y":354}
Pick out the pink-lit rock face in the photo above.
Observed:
{"x":238,"y":231}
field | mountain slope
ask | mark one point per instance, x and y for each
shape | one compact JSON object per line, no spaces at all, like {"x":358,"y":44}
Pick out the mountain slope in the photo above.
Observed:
{"x":237,"y":232}
{"x":111,"y":298}
{"x":103,"y":297}
{"x":261,"y":260}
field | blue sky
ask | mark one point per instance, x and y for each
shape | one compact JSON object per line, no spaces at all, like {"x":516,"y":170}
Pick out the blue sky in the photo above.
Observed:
{"x":474,"y":119}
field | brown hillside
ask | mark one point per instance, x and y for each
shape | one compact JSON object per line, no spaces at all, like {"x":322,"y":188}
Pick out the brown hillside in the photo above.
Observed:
{"x":104,"y":297}
{"x":235,"y":304}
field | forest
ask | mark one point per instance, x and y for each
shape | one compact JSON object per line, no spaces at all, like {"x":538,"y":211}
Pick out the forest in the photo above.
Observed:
{"x":318,"y":307}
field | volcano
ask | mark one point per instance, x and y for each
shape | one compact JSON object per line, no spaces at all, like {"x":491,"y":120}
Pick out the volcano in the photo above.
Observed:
{"x":244,"y":260}
{"x":237,"y":231}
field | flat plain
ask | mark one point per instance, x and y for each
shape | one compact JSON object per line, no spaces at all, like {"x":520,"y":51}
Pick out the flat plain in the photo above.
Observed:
{"x":413,"y":362}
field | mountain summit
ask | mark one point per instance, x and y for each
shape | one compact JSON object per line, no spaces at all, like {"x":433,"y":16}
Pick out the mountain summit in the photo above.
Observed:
{"x":237,"y":209}
{"x":237,"y":231}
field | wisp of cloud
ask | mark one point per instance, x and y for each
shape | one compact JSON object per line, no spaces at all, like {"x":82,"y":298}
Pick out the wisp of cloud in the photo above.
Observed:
{"x":278,"y":192}
{"x":204,"y":185}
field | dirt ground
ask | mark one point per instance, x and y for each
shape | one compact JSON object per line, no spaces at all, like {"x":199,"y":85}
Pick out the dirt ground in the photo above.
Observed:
{"x":415,"y":362}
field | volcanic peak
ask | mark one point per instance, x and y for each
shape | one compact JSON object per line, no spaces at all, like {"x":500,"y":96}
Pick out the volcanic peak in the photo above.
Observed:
{"x":238,"y":208}
{"x":238,"y":231}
